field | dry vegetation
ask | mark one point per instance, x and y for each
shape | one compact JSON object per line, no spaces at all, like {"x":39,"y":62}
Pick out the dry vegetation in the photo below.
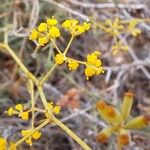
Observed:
{"x":126,"y":71}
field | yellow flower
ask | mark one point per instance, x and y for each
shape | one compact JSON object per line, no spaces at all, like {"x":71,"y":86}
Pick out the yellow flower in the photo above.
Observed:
{"x":10,"y":111}
{"x":19,"y":107}
{"x":118,"y":122}
{"x":89,"y":72}
{"x":91,"y":58}
{"x":24,"y":115}
{"x":36,"y":135}
{"x":74,"y":27}
{"x":3,"y":144}
{"x":45,"y":32}
{"x":42,"y":27}
{"x":135,"y":32}
{"x":52,"y":21}
{"x":54,"y":32}
{"x":113,"y":27}
{"x":42,"y":41}
{"x":79,"y":30}
{"x":56,"y":109}
{"x":33,"y":34}
{"x":68,"y":24}
{"x":86,"y":26}
{"x":19,"y":110}
{"x":59,"y":59}
{"x":29,"y":141}
{"x":93,"y":66}
{"x":133,"y":29}
{"x":73,"y":65}
{"x":50,"y":105}
{"x":25,"y":132}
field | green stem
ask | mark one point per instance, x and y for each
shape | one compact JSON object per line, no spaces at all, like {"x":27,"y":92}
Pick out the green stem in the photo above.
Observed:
{"x":32,"y":103}
{"x":55,"y":45}
{"x":80,"y":62}
{"x":47,"y":75}
{"x":66,"y":50}
{"x":71,"y":134}
{"x":22,"y":66}
{"x":59,"y":123}
{"x":36,"y":50}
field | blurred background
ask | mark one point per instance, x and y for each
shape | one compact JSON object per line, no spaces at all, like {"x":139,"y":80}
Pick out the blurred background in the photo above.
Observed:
{"x":126,"y":71}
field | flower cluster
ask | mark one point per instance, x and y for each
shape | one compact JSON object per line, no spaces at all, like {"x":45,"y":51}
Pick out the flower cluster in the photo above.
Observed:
{"x":36,"y":135}
{"x":118,"y":27}
{"x":118,"y":120}
{"x":75,"y":28}
{"x":93,"y":63}
{"x":48,"y":30}
{"x":45,"y":32}
{"x":61,"y":58}
{"x":18,"y":110}
{"x":54,"y":108}
{"x":4,"y":145}
{"x":113,"y":27}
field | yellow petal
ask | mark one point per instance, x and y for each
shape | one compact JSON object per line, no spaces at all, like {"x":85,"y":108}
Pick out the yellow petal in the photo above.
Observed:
{"x":42,"y":27}
{"x":33,"y":35}
{"x":19,"y":107}
{"x":24,"y":115}
{"x":89,"y":71}
{"x":42,"y":41}
{"x":25,"y":132}
{"x":138,"y":122}
{"x":59,"y":59}
{"x":29,"y":141}
{"x":36,"y":135}
{"x":52,"y":21}
{"x":126,"y":106}
{"x":73,"y":65}
{"x":56,"y":109}
{"x":54,"y":32}
{"x":10,"y":111}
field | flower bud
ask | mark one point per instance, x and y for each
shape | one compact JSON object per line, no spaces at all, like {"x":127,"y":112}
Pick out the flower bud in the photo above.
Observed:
{"x":138,"y":122}
{"x":103,"y":136}
{"x":124,"y":137}
{"x":126,"y":106}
